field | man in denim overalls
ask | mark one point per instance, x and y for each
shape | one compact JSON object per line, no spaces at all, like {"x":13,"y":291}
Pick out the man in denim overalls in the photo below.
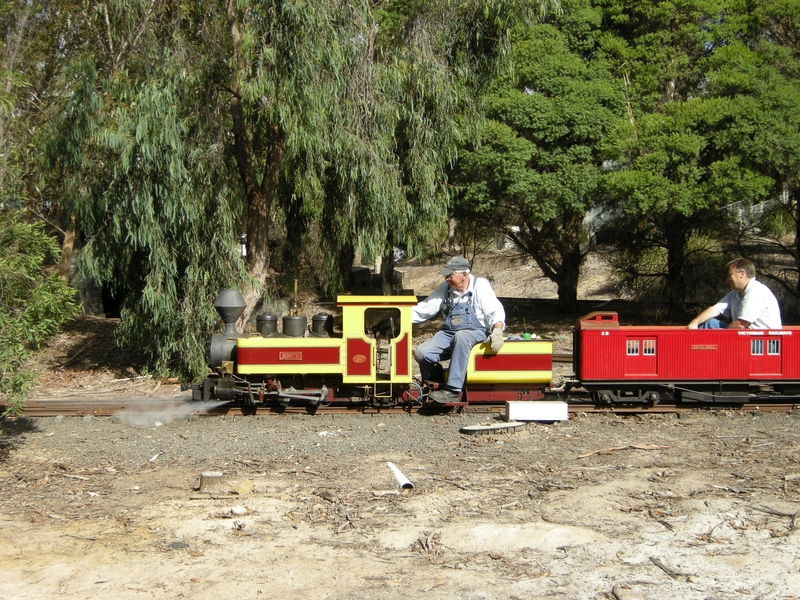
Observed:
{"x":471,"y":312}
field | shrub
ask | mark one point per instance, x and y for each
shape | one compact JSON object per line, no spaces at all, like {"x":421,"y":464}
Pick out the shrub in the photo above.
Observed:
{"x":33,"y":305}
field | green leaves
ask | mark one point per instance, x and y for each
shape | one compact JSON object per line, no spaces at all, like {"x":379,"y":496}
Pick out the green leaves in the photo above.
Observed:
{"x":33,"y":305}
{"x":536,"y":172}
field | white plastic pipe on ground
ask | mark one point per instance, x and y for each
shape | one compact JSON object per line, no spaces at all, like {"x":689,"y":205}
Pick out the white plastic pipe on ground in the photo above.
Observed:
{"x":402,"y":480}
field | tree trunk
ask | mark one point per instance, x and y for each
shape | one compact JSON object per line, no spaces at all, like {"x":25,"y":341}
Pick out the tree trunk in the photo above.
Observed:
{"x":387,"y":266}
{"x":66,"y":255}
{"x":568,"y":277}
{"x":259,"y":205}
{"x":794,"y":202}
{"x":556,"y":249}
{"x":259,"y":194}
{"x":676,"y":232}
{"x":572,"y":257}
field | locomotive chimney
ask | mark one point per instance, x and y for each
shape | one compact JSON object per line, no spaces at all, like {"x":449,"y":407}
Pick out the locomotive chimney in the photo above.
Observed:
{"x":230,"y":305}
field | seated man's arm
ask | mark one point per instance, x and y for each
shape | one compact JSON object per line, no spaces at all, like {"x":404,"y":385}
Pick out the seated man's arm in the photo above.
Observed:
{"x":493,"y":311}
{"x":430,"y":307}
{"x":709,"y":313}
{"x":739,"y":324}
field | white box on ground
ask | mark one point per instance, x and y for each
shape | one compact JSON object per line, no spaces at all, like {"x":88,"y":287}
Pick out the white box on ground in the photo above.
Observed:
{"x":544,"y":410}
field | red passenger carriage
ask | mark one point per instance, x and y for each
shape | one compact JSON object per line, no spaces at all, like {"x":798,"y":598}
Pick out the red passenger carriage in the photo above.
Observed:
{"x":641,"y":364}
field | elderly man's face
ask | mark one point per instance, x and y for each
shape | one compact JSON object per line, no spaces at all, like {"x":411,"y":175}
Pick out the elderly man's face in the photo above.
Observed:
{"x":455,"y":278}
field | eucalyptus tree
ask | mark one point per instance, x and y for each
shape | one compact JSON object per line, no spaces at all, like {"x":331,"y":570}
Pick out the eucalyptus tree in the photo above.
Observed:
{"x":34,"y":303}
{"x":31,"y":46}
{"x":536,"y":173}
{"x":139,"y":157}
{"x":414,"y":98}
{"x":190,"y":124}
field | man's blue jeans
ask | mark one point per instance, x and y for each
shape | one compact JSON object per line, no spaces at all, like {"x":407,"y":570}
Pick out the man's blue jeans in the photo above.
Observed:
{"x":455,"y":345}
{"x":714,"y":323}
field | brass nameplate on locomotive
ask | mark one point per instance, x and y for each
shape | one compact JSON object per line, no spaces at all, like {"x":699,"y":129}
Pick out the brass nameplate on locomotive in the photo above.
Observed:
{"x":293,"y":356}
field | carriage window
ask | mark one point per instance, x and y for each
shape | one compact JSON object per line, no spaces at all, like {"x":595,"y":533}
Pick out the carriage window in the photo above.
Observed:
{"x":756,"y":347}
{"x":633,"y":347}
{"x":649,"y":347}
{"x":773,"y":346}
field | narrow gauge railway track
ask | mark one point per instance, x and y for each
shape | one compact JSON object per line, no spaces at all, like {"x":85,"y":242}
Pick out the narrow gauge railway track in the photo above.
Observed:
{"x":175,"y":410}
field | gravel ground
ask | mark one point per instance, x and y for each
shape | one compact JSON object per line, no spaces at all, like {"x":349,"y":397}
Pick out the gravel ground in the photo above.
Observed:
{"x":705,"y":506}
{"x":597,"y":507}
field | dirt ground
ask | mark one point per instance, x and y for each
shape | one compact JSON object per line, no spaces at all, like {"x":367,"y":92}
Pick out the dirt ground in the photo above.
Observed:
{"x":596,"y":507}
{"x":705,"y":506}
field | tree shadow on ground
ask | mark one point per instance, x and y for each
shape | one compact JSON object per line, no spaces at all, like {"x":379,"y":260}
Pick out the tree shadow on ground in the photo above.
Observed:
{"x":12,"y":428}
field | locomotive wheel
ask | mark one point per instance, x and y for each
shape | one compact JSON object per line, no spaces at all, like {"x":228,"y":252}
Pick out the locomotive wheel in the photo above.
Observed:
{"x":603,"y":397}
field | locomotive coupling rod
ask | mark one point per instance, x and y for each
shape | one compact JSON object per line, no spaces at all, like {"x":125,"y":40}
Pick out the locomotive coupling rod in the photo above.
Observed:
{"x":313,"y":395}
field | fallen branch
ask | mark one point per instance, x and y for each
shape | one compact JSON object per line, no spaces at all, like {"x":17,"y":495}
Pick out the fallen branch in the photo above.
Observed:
{"x":728,"y":489}
{"x":72,"y":358}
{"x":771,"y":511}
{"x":70,"y":476}
{"x":154,"y":390}
{"x":629,"y":447}
{"x":668,"y":570}
{"x":455,"y":483}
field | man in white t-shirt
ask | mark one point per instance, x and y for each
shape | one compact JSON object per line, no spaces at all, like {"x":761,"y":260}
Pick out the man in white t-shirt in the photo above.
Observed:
{"x":749,"y":305}
{"x":470,"y":311}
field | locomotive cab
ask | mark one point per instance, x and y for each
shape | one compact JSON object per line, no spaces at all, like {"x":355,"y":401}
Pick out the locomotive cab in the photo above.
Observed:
{"x":362,"y":315}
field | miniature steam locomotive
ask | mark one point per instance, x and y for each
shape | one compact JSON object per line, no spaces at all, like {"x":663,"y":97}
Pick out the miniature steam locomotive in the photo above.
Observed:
{"x":369,"y":360}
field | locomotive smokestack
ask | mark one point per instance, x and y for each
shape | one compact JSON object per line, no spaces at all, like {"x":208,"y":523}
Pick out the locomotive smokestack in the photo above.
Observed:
{"x":230,"y":305}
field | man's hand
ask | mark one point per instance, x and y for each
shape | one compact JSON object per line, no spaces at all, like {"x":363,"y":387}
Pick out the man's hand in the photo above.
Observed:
{"x":496,"y":339}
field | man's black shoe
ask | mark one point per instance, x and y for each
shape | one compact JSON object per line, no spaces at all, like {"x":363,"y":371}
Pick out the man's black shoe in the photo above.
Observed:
{"x":444,"y":396}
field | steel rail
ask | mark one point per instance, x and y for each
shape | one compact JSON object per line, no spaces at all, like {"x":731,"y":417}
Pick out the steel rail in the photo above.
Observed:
{"x":181,"y":409}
